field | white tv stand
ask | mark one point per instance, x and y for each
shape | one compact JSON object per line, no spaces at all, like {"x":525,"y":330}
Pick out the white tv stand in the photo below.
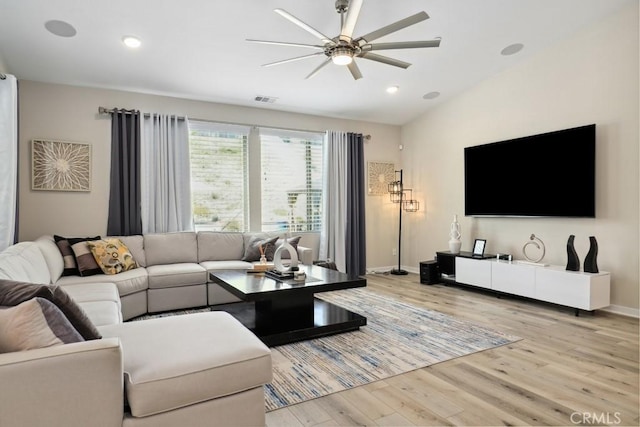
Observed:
{"x":554,"y":284}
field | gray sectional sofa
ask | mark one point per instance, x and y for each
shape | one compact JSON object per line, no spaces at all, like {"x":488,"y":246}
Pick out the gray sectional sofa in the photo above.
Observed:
{"x":196,"y":369}
{"x":175,"y":271}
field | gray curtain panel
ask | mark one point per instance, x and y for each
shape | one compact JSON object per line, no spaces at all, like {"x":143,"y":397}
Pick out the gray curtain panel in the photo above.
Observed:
{"x":355,"y":234}
{"x":124,"y":198}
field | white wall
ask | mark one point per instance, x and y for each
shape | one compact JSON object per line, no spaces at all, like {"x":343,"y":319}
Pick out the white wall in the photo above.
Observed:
{"x":590,"y":78}
{"x":3,"y":65}
{"x":71,"y":114}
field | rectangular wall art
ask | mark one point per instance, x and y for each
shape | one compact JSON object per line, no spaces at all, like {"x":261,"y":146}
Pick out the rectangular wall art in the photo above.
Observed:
{"x":379,"y":177}
{"x":60,"y":165}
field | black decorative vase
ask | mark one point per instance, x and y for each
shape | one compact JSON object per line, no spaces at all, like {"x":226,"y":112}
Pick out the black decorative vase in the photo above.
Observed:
{"x":590,"y":261}
{"x":573,"y":262}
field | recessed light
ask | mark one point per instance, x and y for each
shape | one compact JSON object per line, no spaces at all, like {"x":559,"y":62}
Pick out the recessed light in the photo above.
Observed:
{"x":512,"y":49}
{"x":393,"y":89}
{"x":60,"y":28}
{"x":131,"y":41}
{"x":431,"y":95}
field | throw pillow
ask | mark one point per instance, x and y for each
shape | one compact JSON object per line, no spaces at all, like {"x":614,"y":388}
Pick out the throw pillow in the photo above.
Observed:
{"x":36,"y":323}
{"x":293,"y":241}
{"x":14,"y":293}
{"x":69,"y":258}
{"x":70,"y":267}
{"x":87,"y":265}
{"x":252,"y":251}
{"x":112,"y":256}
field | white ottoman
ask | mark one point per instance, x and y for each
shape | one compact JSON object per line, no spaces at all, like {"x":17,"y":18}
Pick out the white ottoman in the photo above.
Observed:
{"x":178,"y":366}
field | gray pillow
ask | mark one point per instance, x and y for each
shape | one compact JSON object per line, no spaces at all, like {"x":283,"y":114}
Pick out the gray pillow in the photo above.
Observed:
{"x":36,"y":323}
{"x":13,"y":293}
{"x":293,"y":241}
{"x":252,"y":250}
{"x":87,"y":265}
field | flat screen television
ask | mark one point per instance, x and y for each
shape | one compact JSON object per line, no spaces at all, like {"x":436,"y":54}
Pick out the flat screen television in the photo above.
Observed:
{"x":546,"y":175}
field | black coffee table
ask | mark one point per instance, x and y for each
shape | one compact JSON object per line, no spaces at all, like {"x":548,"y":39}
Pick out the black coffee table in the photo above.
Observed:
{"x":281,"y":312}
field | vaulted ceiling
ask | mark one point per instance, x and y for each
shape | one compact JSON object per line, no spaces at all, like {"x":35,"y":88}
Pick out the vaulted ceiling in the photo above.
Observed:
{"x":197,"y":49}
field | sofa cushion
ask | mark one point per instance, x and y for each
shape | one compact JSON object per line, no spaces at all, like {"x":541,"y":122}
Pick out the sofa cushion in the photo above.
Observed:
{"x":52,"y":256}
{"x":24,"y":262}
{"x":102,"y":313}
{"x":35,"y":323}
{"x":85,"y":292}
{"x":226,"y":265}
{"x":13,"y":293}
{"x":128,"y":282}
{"x":217,"y":246}
{"x":135,"y":244}
{"x":172,"y":275}
{"x":256,"y":246}
{"x":195,"y":358}
{"x":170,"y":248}
{"x":69,"y":258}
{"x":112,"y":256}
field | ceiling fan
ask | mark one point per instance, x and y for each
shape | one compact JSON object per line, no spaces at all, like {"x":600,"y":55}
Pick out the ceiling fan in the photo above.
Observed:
{"x":342,"y":49}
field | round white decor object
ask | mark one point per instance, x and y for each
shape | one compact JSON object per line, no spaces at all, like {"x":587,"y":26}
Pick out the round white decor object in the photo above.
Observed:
{"x":277,"y":257}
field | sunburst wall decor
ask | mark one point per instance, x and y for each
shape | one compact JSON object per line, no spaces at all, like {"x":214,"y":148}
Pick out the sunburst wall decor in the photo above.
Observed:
{"x":380,"y":174}
{"x":60,"y":165}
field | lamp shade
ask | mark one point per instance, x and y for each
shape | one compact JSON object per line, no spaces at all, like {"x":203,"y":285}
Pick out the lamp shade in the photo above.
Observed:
{"x":395,"y":187}
{"x":411,"y":205}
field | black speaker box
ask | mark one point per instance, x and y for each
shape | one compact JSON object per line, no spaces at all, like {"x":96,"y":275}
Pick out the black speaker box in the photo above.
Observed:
{"x":429,"y":272}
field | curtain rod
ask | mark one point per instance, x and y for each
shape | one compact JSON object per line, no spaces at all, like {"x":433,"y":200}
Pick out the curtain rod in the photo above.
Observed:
{"x":104,"y":110}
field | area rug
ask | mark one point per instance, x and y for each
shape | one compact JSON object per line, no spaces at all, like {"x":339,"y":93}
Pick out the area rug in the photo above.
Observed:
{"x":398,"y":338}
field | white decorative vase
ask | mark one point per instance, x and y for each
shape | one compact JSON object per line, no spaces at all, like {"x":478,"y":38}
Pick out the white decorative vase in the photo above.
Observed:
{"x":454,"y":234}
{"x":277,"y":257}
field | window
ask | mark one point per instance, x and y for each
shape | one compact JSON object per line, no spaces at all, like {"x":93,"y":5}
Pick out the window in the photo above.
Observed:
{"x":219,"y":192}
{"x":291,"y":168}
{"x":268,"y":178}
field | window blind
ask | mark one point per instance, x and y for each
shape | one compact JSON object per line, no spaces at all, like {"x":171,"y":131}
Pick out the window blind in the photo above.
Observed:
{"x":291,"y":172}
{"x":219,"y":185}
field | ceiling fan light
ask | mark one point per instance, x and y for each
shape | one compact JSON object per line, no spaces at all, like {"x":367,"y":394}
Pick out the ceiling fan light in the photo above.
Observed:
{"x":342,"y":56}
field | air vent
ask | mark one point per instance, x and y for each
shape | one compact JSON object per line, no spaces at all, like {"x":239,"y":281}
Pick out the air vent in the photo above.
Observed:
{"x":267,"y":99}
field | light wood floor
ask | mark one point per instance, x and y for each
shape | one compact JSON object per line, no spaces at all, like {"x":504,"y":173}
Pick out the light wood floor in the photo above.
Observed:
{"x":566,"y":370}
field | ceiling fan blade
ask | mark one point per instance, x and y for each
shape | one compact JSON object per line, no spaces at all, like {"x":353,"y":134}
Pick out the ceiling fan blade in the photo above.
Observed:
{"x":384,"y":60}
{"x":400,"y":45}
{"x":304,"y":26}
{"x":352,"y":17}
{"x":355,"y":71}
{"x":310,"y":46}
{"x":396,"y":26}
{"x":318,"y":68}
{"x":297,"y":58}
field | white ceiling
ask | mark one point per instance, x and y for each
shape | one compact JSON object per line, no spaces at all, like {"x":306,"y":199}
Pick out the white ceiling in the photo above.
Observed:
{"x":196,"y":49}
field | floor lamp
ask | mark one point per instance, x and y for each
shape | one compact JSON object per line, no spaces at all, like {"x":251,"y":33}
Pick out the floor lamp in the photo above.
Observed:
{"x":397,"y":195}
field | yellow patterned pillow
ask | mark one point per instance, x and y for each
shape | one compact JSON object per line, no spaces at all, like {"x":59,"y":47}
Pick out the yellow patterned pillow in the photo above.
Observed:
{"x":112,"y":256}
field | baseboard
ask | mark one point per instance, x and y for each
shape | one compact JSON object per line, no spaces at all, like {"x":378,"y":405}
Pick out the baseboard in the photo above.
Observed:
{"x":623,"y":311}
{"x":387,"y":269}
{"x":380,"y":270}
